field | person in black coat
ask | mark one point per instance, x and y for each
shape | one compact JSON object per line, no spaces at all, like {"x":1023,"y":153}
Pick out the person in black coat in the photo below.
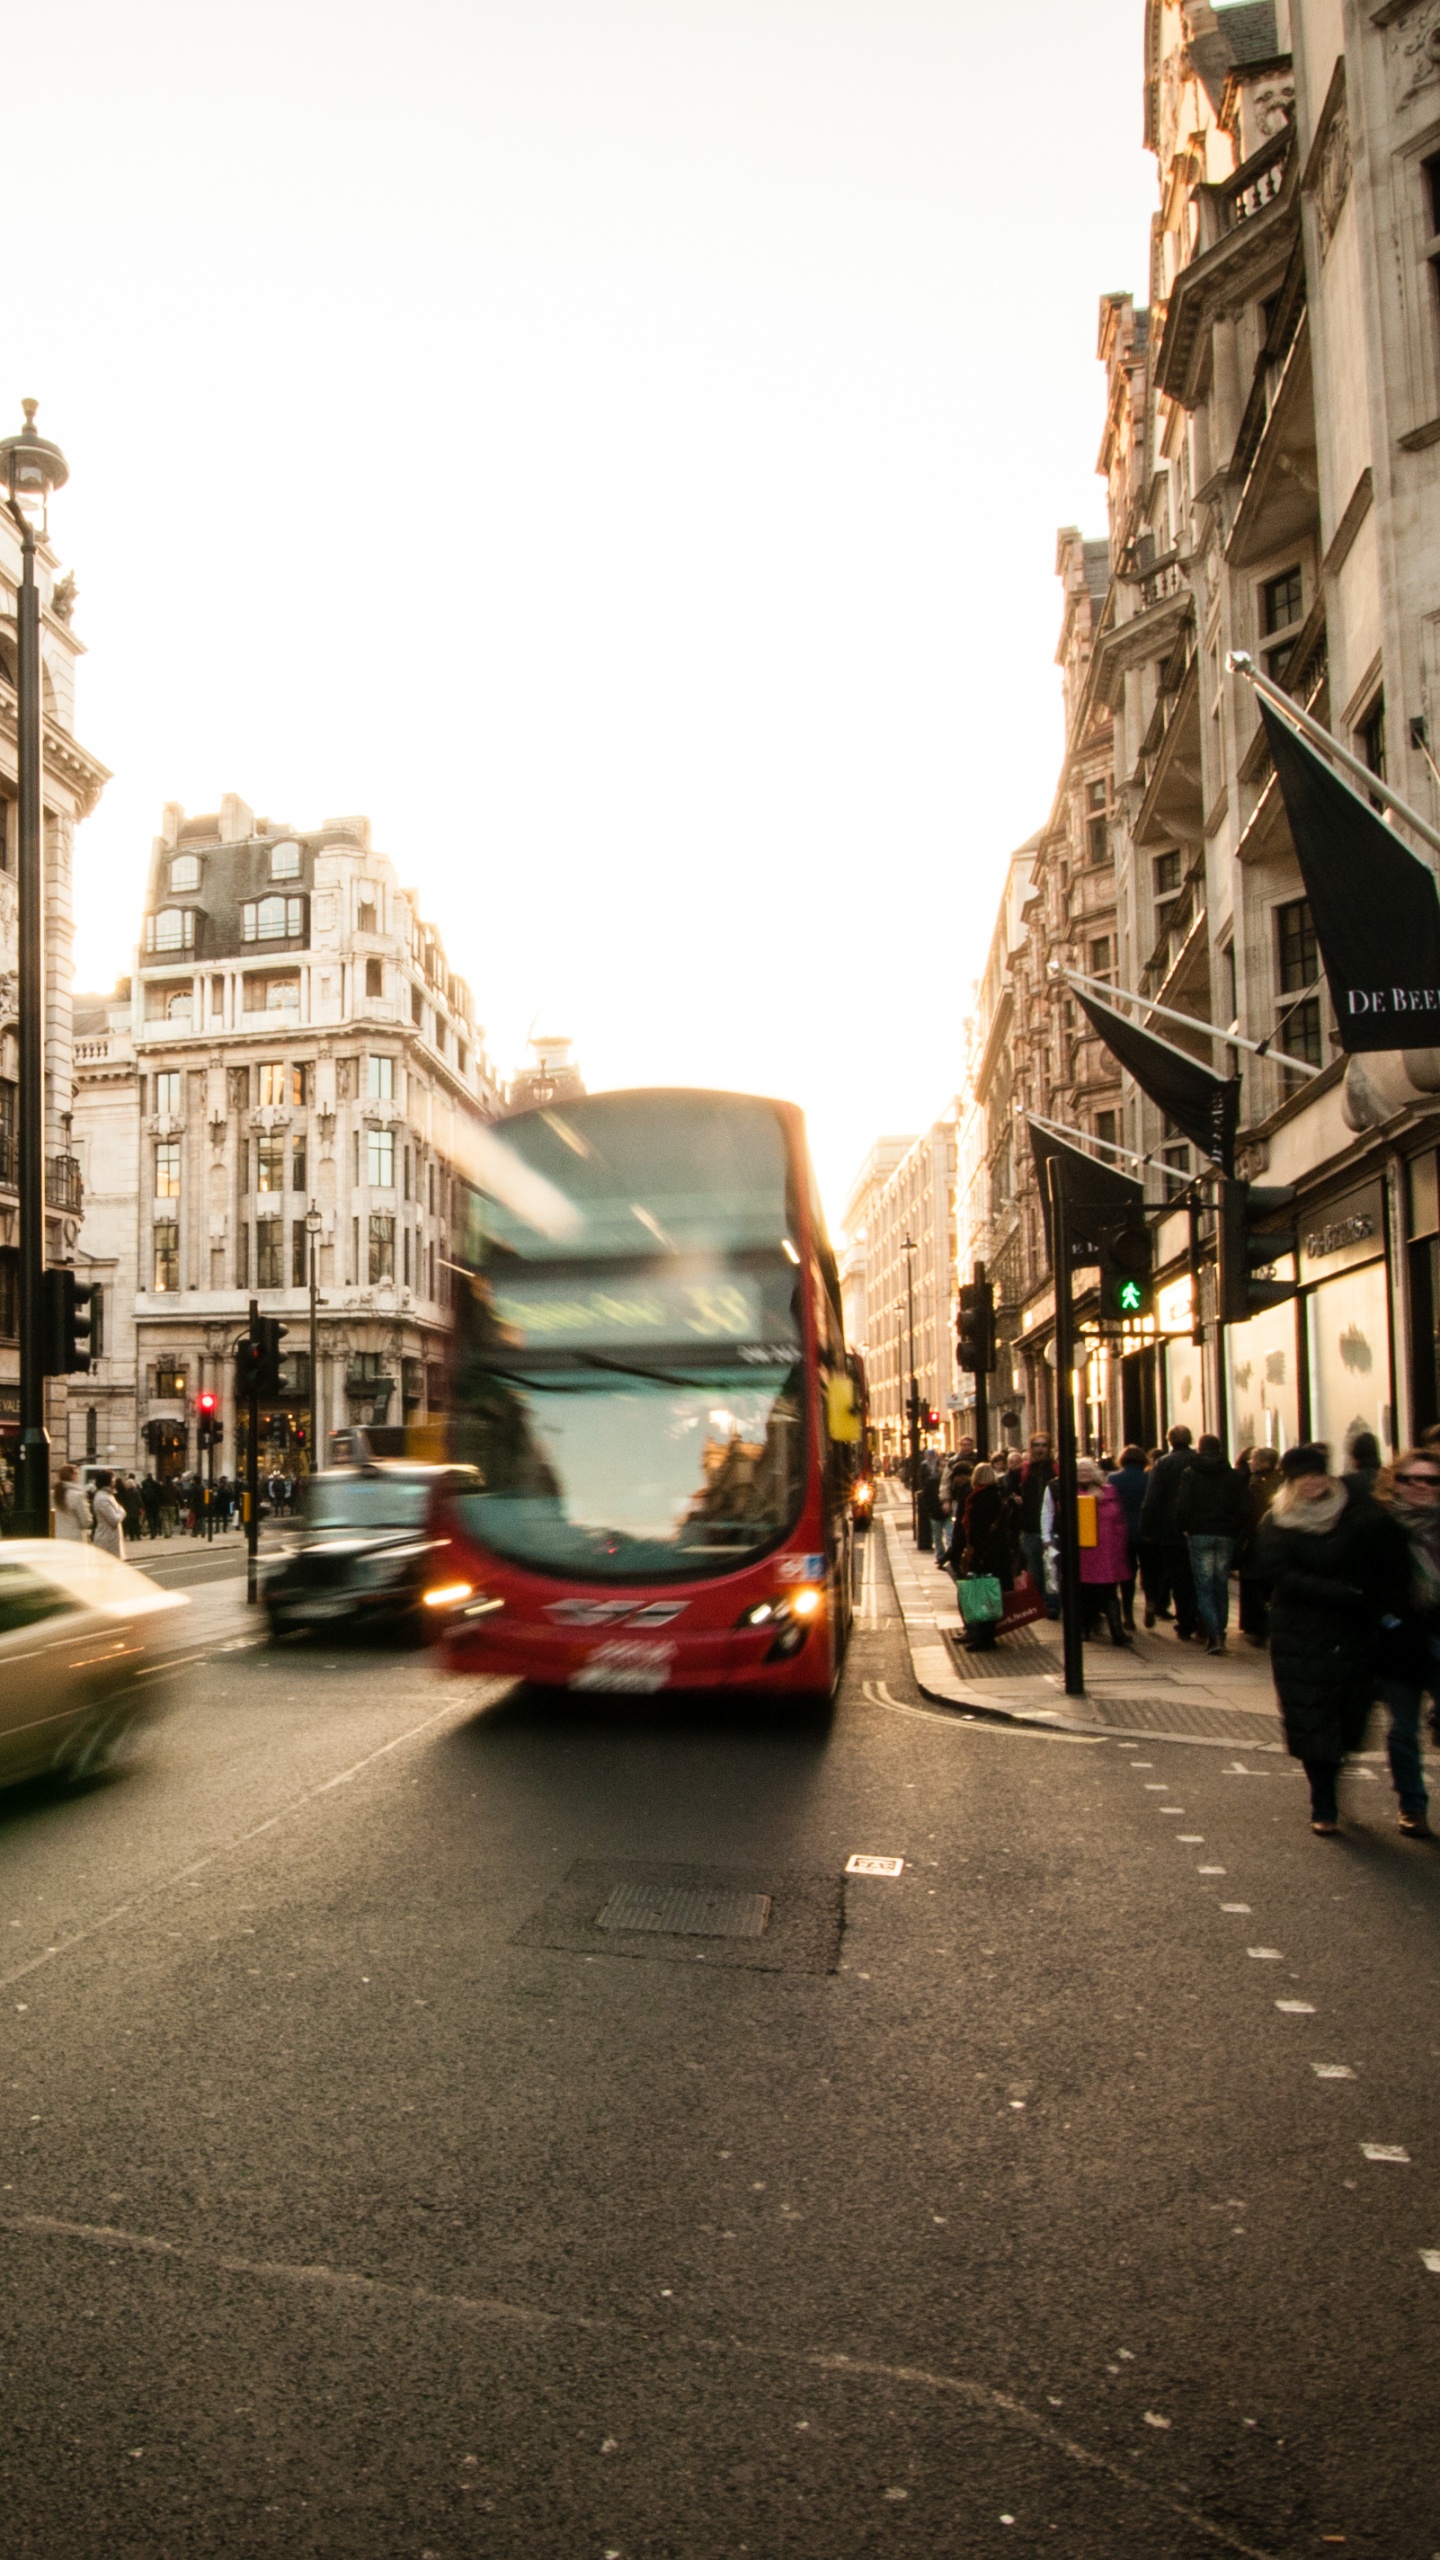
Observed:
{"x":1164,"y":1558}
{"x":1339,"y":1569}
{"x":982,"y":1543}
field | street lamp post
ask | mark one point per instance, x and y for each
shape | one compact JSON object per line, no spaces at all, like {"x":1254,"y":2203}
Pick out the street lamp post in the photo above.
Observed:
{"x":32,"y":468}
{"x":313,"y":1224}
{"x":909,"y":1248}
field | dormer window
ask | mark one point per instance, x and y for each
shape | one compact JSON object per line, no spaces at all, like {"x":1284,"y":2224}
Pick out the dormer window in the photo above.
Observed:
{"x":184,"y":873}
{"x":285,"y":861}
{"x":171,"y":929}
{"x":273,"y":919}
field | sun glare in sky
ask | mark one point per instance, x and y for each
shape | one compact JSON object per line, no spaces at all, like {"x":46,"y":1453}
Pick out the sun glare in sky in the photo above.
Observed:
{"x":616,"y":444}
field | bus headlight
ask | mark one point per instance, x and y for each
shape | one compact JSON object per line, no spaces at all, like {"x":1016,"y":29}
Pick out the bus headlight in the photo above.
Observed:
{"x":806,"y":1602}
{"x":448,"y":1595}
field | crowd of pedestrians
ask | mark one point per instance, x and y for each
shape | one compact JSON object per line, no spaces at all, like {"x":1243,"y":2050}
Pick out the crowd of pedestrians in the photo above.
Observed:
{"x":1338,"y":1574}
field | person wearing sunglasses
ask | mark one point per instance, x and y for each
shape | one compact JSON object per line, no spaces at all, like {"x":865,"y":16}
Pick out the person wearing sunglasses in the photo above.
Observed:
{"x":1407,"y":1663}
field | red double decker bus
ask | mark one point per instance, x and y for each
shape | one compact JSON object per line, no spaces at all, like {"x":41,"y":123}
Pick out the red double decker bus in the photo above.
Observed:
{"x":649,"y":1380}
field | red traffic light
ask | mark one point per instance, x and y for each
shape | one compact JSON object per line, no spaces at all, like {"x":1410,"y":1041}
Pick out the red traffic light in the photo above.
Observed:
{"x":206,"y":1402}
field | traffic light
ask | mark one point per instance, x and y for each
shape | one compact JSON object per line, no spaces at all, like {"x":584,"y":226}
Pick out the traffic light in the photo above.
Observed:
{"x":1127,"y":1254}
{"x":207,"y":1407}
{"x":257,"y":1359}
{"x":975,"y":1325}
{"x":71,"y":1311}
{"x":1240,"y":1253}
{"x":932,"y":1417}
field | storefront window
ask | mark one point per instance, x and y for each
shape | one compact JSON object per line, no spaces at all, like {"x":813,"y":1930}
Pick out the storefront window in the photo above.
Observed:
{"x":1264,"y":1380}
{"x":1185,"y":1384}
{"x":1348,"y":1347}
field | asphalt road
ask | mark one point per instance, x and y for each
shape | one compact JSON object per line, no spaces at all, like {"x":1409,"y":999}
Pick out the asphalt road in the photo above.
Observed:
{"x":360,"y":2197}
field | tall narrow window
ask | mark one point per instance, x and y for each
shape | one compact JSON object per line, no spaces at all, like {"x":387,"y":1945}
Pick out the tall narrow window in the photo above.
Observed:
{"x":242,"y":1254}
{"x":355,"y":1252}
{"x":167,"y":1169}
{"x":166,"y":1273}
{"x":297,"y":1162}
{"x":1097,"y":822}
{"x":382,"y":1247}
{"x":1297,"y":966}
{"x":270,"y":1162}
{"x":380,"y":1078}
{"x":374,"y":977}
{"x":167,"y":1092}
{"x":405,"y":1273}
{"x":299,"y":1254}
{"x":1372,"y":738}
{"x":1282,"y":610}
{"x":270,"y":1251}
{"x":380,"y":1148}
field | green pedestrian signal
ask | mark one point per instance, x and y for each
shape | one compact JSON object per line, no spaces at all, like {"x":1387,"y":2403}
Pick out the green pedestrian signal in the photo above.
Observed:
{"x":1126,"y":1256}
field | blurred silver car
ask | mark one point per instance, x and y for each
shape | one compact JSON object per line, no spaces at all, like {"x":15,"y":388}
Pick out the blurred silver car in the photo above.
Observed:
{"x":84,"y":1647}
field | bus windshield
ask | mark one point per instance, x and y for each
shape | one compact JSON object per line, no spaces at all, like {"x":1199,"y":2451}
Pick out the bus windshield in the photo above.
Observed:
{"x":633,"y":1393}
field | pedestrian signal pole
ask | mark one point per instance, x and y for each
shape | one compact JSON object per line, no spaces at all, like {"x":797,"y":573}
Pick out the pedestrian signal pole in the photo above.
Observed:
{"x":912,"y":1407}
{"x":1067,"y":1488}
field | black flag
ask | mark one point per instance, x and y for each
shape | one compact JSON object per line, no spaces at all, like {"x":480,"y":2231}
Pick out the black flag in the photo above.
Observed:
{"x":1097,"y":1197}
{"x":1205,"y":1106}
{"x":1377,"y":915}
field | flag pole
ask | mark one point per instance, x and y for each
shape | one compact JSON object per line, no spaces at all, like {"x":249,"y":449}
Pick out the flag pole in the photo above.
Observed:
{"x":1192,"y":1021}
{"x":1062,"y":1129}
{"x":1241,"y":663}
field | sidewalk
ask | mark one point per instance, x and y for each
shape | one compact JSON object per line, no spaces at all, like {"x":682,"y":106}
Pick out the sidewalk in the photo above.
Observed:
{"x":1168,"y":1690}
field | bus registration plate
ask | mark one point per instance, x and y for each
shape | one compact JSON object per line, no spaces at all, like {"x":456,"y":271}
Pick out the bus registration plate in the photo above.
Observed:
{"x":627,"y":1664}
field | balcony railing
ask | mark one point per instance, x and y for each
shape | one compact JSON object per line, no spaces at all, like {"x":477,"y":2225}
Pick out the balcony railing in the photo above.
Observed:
{"x":63,"y":1186}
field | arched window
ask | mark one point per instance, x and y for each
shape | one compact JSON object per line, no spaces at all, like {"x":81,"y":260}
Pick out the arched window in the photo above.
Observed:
{"x":177,"y":1006}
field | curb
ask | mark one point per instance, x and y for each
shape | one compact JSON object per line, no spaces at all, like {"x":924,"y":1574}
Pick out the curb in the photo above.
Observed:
{"x":937,"y":1682}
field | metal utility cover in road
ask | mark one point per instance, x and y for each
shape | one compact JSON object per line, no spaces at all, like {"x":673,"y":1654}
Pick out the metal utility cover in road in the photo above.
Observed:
{"x":685,"y":1911}
{"x":768,"y":1919}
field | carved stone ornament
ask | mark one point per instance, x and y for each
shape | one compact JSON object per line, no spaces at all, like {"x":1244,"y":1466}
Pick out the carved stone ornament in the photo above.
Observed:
{"x":1332,"y":175}
{"x":1415,"y":47}
{"x":1273,"y":103}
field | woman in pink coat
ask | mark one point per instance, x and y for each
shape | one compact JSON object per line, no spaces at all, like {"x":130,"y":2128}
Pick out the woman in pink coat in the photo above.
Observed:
{"x":1106,"y":1565}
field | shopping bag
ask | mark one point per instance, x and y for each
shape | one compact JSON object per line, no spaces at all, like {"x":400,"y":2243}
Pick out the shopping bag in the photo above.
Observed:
{"x":981,"y":1599}
{"x":1022,"y":1604}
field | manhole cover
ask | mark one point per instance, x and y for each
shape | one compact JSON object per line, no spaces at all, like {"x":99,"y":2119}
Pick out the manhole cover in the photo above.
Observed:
{"x":764,"y":1920}
{"x":685,"y":1911}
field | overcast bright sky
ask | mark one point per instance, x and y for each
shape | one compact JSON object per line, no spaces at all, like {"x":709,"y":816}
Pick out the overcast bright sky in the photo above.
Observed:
{"x":619,"y":445}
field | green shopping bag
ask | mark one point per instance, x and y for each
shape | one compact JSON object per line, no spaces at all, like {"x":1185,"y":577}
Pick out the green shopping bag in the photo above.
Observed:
{"x":981,"y":1602}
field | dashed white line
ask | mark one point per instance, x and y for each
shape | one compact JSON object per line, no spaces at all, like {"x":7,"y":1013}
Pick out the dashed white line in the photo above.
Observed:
{"x":1393,"y":2151}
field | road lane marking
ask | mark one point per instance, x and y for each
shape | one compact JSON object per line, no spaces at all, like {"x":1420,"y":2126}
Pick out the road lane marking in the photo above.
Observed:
{"x":483,"y":2310}
{"x":1432,"y":2260}
{"x":1235,"y":1906}
{"x":1297,"y":2008}
{"x":197,"y":1866}
{"x":1209,"y":1871}
{"x":1332,"y":2070}
{"x":1394,"y":2151}
{"x":1266,"y":1955}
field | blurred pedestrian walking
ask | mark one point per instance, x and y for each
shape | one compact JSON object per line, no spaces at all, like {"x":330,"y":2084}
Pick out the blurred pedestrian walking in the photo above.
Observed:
{"x":1408,"y":1654}
{"x":1163,"y":1548}
{"x":1105,"y":1566}
{"x":109,"y":1516}
{"x":1338,"y":1565}
{"x":1261,"y":1486}
{"x":72,"y":1507}
{"x":1210,"y":1515}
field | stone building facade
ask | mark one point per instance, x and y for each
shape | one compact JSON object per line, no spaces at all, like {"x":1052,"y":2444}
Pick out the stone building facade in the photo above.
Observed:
{"x":906,"y":1193}
{"x":73,"y":781}
{"x":292,"y":1037}
{"x":1271,"y":458}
